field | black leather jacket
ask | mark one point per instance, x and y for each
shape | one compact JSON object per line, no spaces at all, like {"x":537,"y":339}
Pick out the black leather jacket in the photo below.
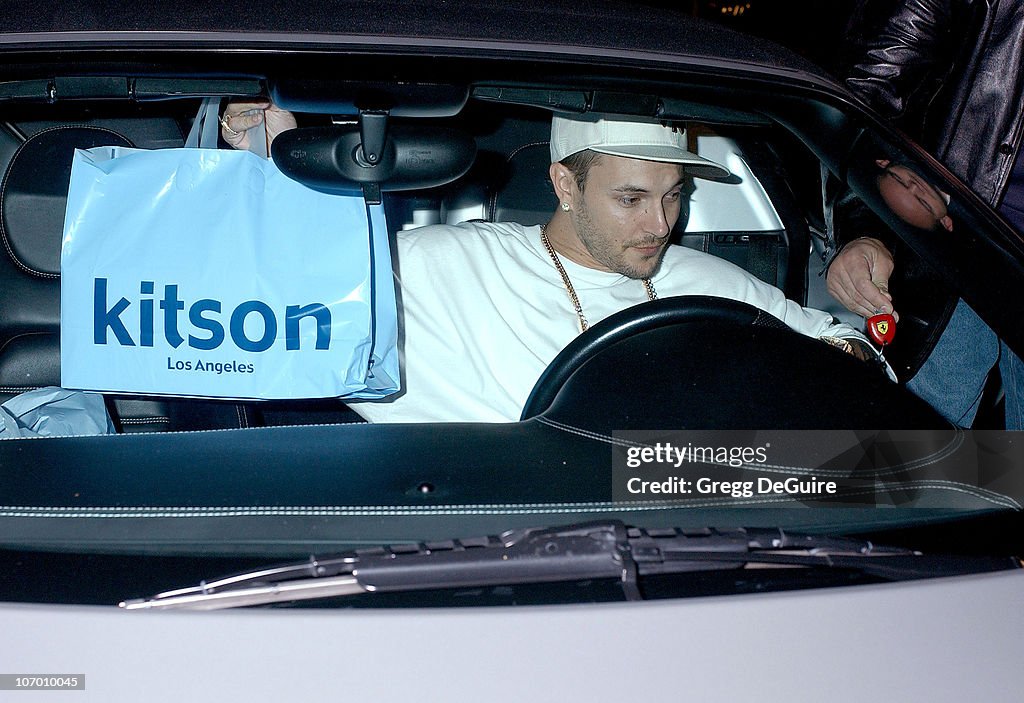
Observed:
{"x":951,"y":72}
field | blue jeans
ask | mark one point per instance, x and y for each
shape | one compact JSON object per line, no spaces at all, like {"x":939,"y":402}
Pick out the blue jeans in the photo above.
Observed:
{"x":953,"y":377}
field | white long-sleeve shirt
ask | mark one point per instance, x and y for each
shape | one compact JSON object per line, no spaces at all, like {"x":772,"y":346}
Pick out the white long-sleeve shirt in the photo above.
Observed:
{"x":484,"y":311}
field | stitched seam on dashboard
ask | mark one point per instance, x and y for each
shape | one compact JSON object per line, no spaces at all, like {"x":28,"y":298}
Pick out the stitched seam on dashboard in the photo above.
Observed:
{"x":199,"y":432}
{"x":588,"y":434}
{"x":19,"y":389}
{"x":108,"y":512}
{"x":156,"y":419}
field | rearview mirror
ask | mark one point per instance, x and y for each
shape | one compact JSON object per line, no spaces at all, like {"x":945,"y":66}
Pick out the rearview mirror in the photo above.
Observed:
{"x":330,"y":159}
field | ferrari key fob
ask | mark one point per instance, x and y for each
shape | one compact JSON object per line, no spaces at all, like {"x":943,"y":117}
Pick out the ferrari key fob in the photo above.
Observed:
{"x":882,"y":328}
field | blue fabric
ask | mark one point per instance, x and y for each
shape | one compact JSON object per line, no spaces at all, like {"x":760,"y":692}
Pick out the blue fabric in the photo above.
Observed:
{"x":1012,"y":370}
{"x":54,"y":412}
{"x":952,"y":379}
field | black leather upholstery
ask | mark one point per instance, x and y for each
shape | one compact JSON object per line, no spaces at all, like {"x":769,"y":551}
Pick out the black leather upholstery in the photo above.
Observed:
{"x":526,"y":195}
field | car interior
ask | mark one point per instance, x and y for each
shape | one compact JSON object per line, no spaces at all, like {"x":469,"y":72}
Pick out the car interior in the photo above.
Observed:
{"x":762,"y":218}
{"x":735,"y":220}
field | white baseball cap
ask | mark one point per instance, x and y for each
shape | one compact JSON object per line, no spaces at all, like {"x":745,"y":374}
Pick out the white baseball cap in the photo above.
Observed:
{"x":631,"y":137}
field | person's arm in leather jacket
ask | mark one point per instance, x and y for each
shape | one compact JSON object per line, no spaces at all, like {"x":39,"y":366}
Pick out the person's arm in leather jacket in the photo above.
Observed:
{"x":901,"y":59}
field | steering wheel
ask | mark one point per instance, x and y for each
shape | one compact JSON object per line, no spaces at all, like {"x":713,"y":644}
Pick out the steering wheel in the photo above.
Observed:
{"x":715,"y":363}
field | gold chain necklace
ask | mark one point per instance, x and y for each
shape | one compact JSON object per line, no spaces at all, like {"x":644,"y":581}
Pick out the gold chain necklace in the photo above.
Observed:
{"x":573,"y":298}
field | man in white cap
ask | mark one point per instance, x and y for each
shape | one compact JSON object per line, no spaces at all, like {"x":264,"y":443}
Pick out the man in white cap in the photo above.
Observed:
{"x":487,"y":306}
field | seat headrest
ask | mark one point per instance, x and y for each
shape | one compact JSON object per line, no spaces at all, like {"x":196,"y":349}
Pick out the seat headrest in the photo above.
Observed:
{"x":527,"y":196}
{"x":34,"y":194}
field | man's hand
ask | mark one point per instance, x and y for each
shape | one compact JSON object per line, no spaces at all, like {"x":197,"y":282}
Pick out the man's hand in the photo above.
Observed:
{"x":859,"y":277}
{"x":239,"y":118}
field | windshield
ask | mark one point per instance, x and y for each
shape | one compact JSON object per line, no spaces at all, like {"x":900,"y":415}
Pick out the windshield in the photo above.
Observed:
{"x":461,"y":308}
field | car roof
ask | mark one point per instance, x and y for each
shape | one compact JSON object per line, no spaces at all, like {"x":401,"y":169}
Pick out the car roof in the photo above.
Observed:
{"x":552,"y":23}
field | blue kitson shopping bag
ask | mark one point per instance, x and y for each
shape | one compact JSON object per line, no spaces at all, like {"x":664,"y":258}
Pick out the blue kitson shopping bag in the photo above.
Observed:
{"x":204,"y":272}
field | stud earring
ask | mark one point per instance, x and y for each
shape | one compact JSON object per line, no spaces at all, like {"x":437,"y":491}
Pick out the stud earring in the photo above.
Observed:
{"x":565,"y":207}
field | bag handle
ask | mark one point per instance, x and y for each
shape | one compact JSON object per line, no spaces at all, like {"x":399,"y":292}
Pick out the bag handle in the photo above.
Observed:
{"x":206,"y":126}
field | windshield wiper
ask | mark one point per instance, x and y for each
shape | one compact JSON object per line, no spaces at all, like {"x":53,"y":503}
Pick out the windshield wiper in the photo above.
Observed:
{"x":602,"y":550}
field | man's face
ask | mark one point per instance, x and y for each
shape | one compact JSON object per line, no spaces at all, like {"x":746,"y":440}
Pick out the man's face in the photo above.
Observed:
{"x":915,"y":200}
{"x":625,"y":213}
